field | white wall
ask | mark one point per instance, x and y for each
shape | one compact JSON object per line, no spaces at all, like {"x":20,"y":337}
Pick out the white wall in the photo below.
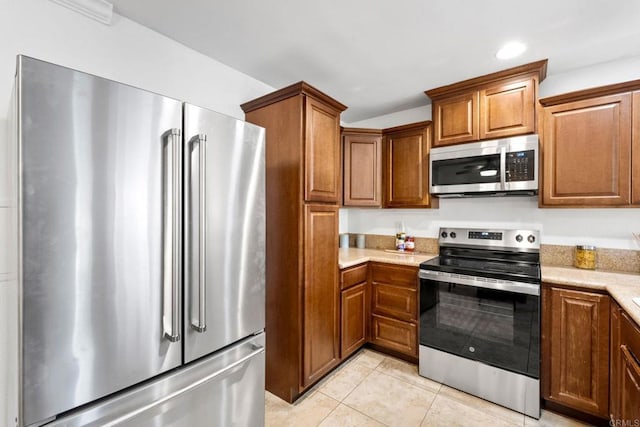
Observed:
{"x":124,"y":51}
{"x":596,"y":75}
{"x":609,"y":228}
{"x":413,"y":115}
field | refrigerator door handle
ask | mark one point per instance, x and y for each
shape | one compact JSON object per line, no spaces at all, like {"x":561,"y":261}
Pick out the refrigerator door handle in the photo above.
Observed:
{"x":200,"y":323}
{"x":171,"y":234}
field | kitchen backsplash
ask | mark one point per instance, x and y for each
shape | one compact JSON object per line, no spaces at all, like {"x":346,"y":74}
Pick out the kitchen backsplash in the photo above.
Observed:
{"x":621,"y":260}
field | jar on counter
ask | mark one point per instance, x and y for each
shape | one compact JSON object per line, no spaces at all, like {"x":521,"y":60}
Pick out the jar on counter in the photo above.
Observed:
{"x":400,"y":240}
{"x":410,"y":244}
{"x":586,"y":257}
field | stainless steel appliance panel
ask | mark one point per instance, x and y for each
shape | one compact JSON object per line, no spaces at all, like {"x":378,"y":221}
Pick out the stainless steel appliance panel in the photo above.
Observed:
{"x":224,"y":230}
{"x":497,"y":166}
{"x":95,"y":162}
{"x":518,"y":392}
{"x":226,"y":389}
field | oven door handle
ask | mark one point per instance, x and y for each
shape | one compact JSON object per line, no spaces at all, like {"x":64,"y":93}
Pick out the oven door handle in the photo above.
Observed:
{"x":481,"y":282}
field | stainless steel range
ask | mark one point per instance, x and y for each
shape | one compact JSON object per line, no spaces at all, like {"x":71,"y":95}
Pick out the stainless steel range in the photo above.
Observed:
{"x":480,"y":315}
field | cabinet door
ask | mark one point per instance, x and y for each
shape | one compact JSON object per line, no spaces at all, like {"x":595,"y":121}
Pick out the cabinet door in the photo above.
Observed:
{"x":394,"y":334}
{"x":614,"y":367}
{"x":406,"y":169}
{"x":630,"y":386}
{"x":322,"y":152}
{"x":362,"y":170}
{"x":635,"y":151}
{"x":355,"y":316}
{"x":321,"y":350}
{"x":456,"y":119}
{"x":586,"y":149}
{"x":576,"y":351}
{"x":507,"y":109}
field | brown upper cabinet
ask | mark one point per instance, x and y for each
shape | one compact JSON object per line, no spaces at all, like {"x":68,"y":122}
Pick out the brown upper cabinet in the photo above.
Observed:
{"x":318,"y":118}
{"x":590,"y":147}
{"x":496,"y":105}
{"x":406,"y":166}
{"x":362,"y":177}
{"x":322,"y":152}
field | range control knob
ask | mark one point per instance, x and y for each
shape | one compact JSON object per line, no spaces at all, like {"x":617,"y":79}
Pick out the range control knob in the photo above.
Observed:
{"x":519,"y":238}
{"x":531,"y":238}
{"x":452,"y":234}
{"x":444,"y":234}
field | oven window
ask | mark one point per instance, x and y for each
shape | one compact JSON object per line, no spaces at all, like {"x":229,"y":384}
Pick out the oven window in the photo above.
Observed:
{"x":498,"y":328}
{"x":467,"y":170}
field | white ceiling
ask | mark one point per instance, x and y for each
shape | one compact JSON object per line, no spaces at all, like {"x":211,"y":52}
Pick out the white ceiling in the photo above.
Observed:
{"x":378,"y":56}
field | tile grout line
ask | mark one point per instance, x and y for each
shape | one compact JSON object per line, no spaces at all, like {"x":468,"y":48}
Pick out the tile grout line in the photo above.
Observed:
{"x":366,"y":415}
{"x":330,"y":412}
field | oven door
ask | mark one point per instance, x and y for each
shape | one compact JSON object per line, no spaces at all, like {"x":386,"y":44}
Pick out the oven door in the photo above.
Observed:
{"x":493,"y":323}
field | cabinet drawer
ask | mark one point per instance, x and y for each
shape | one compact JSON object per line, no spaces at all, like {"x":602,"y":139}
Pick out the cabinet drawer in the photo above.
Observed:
{"x":396,"y":274}
{"x":394,"y":335}
{"x":353,"y":276}
{"x":395,"y":301}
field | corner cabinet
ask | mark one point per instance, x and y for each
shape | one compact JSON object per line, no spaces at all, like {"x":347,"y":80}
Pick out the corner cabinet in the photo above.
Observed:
{"x":406,"y":166}
{"x":496,"y":105}
{"x":302,"y":195}
{"x":362,"y":170}
{"x":590,"y":145}
{"x":575,"y":349}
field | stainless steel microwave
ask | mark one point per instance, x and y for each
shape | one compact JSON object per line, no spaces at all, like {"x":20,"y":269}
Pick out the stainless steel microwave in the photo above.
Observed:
{"x":498,"y":167}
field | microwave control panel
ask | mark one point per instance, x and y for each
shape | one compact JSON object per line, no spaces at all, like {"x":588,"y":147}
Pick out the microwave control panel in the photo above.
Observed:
{"x":520,"y":166}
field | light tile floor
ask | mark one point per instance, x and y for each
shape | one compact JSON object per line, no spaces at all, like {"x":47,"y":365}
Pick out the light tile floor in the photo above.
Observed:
{"x":372,"y":389}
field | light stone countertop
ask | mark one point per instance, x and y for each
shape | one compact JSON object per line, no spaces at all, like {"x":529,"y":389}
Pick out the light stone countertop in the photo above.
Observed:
{"x":621,"y":286}
{"x":348,"y":257}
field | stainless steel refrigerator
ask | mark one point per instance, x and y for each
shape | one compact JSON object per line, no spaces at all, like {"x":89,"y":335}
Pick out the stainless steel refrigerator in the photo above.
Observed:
{"x":134,"y":283}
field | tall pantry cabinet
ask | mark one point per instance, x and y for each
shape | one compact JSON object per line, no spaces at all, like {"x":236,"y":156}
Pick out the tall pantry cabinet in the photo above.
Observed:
{"x":302,"y":196}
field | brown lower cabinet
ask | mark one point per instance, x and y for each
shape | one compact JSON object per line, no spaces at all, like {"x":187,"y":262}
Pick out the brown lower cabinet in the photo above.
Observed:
{"x":575,"y":349}
{"x":379,"y":305}
{"x":354,"y":301}
{"x":394,"y":335}
{"x":394,"y":308}
{"x":625,"y":368}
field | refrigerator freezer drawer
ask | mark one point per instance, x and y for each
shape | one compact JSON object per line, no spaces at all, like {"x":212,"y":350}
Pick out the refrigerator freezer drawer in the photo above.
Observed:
{"x":226,"y":389}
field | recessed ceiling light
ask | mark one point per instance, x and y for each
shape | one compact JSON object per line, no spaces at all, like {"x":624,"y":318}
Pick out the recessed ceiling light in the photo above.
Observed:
{"x":511,"y":50}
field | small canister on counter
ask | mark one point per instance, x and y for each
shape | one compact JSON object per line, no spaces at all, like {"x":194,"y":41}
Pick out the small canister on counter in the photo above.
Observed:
{"x":586,"y":257}
{"x":410,"y":244}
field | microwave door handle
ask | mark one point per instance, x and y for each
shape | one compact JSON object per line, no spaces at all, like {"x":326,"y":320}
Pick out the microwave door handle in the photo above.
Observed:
{"x":503,"y":168}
